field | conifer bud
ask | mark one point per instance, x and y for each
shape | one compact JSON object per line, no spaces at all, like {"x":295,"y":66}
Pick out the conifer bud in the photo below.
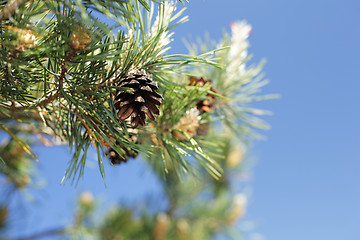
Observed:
{"x":86,"y":199}
{"x":182,"y":229}
{"x":161,"y":226}
{"x":25,"y":38}
{"x":79,"y":39}
{"x":236,"y":156}
{"x":238,"y":208}
{"x":189,"y":123}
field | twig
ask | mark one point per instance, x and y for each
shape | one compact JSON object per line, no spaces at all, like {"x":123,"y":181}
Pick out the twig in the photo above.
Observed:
{"x":45,"y":101}
{"x":20,"y":115}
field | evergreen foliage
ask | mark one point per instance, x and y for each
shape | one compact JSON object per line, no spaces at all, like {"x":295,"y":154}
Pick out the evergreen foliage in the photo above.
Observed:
{"x":62,"y":63}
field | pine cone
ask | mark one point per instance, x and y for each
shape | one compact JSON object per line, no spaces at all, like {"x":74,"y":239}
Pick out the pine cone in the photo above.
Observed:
{"x":116,"y":158}
{"x":138,"y":102}
{"x":206,"y":104}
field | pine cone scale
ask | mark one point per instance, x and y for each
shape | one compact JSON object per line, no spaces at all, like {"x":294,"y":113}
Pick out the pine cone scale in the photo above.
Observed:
{"x":129,"y":110}
{"x":154,"y":100}
{"x":120,"y":104}
{"x":146,"y":88}
{"x":153,"y":108}
{"x":153,"y":85}
{"x":134,"y":122}
{"x":139,"y":99}
{"x":148,"y":113}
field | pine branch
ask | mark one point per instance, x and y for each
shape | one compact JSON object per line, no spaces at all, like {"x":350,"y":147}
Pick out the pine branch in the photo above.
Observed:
{"x":69,"y":67}
{"x":47,"y":100}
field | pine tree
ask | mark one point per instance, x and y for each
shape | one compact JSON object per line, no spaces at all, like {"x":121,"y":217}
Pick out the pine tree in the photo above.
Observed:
{"x":97,"y":75}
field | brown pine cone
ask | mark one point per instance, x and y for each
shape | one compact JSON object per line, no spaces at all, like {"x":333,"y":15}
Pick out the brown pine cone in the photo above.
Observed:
{"x":205,"y":105}
{"x":140,"y":100}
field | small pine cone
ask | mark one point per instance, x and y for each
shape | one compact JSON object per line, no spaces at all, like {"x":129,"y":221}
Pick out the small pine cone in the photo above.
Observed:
{"x":25,"y":38}
{"x":140,"y":100}
{"x":79,"y":39}
{"x":116,"y":158}
{"x":189,"y":123}
{"x":206,"y":104}
{"x":194,"y":81}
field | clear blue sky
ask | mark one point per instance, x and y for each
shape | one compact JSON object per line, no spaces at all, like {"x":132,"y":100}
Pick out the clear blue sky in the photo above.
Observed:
{"x":306,"y":181}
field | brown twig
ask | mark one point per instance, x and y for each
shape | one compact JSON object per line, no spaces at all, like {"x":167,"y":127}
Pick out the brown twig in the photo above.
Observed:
{"x":52,"y":97}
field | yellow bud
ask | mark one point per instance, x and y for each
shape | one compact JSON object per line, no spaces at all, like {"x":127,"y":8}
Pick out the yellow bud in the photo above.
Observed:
{"x":25,"y":38}
{"x":182,"y":229}
{"x":79,"y":39}
{"x":238,"y":208}
{"x":161,"y":227}
{"x":236,"y":156}
{"x":189,"y":123}
{"x":86,"y":199}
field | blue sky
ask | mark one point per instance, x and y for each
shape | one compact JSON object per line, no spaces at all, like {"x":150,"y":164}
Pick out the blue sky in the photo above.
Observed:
{"x":306,"y":181}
